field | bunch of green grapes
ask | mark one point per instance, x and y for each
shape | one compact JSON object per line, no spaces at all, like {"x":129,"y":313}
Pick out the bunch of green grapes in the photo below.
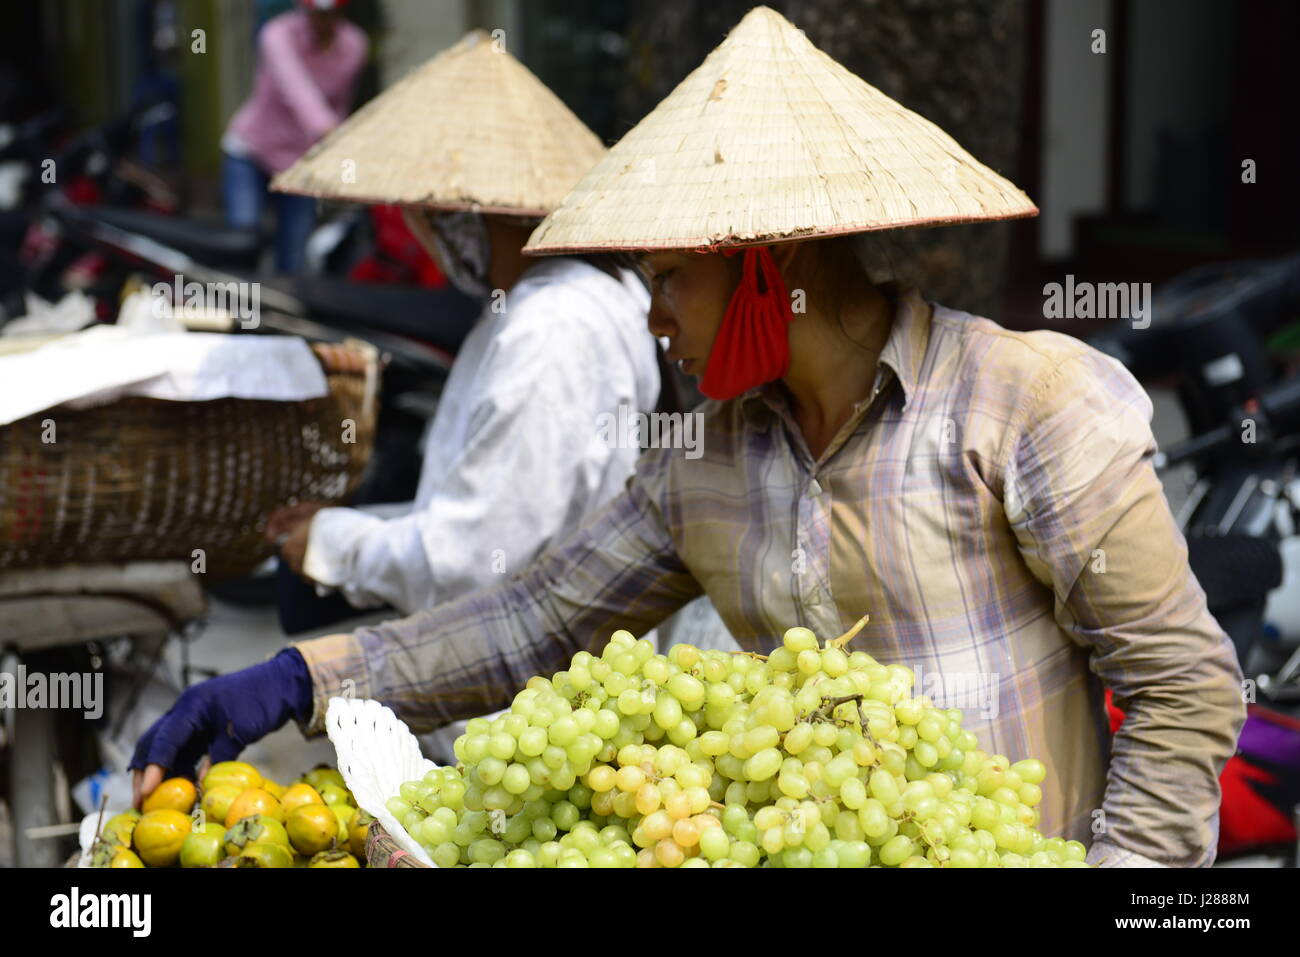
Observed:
{"x":810,"y":757}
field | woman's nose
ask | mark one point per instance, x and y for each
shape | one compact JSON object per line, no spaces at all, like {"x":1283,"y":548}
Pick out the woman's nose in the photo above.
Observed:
{"x":659,"y":320}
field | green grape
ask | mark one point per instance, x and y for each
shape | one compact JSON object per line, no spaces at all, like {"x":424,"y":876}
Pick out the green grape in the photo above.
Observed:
{"x":799,"y":857}
{"x":490,"y":770}
{"x":807,"y":700}
{"x":931,"y":727}
{"x":606,"y":724}
{"x":565,"y":815}
{"x":612,"y":833}
{"x":883,"y":787}
{"x":909,"y":711}
{"x":667,"y":711}
{"x":714,"y":843}
{"x":761,"y":738}
{"x":772,"y":840}
{"x":683,"y":732}
{"x":446,"y":854}
{"x":1030,"y":771}
{"x":632,"y":737}
{"x":853,"y":793}
{"x":688,"y":690}
{"x":431,"y":831}
{"x":896,"y":850}
{"x":798,"y":738}
{"x":656,"y":670}
{"x":799,"y":639}
{"x":715,"y":670}
{"x":826,"y":857}
{"x":518,"y":829}
{"x":515,"y":779}
{"x":763,"y":764}
{"x":927,"y":756}
{"x":563,"y":731}
{"x":840,"y":769}
{"x":692,"y":777}
{"x":893,"y":760}
{"x":532,"y":741}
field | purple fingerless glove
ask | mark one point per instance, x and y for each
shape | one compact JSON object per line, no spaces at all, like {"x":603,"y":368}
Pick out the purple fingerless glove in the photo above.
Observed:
{"x":222,"y":716}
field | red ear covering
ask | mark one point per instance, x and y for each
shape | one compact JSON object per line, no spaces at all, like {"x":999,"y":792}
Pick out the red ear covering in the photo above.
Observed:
{"x":753,"y":344}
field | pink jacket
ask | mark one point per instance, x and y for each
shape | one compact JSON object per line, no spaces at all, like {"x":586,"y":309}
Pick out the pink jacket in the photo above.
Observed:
{"x":301,"y":92}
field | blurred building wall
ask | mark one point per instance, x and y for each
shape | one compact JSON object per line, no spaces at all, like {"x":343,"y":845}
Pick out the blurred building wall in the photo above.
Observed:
{"x":217,"y":68}
{"x":415,"y":30}
{"x":1175,"y":88}
{"x":1075,"y":117}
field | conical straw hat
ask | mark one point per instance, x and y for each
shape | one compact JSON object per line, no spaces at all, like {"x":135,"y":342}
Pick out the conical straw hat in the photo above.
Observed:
{"x":471,"y":129}
{"x":770,"y":139}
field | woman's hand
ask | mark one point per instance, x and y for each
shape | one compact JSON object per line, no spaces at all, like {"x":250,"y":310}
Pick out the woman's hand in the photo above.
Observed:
{"x":289,"y":529}
{"x":284,"y":520}
{"x":220,"y":717}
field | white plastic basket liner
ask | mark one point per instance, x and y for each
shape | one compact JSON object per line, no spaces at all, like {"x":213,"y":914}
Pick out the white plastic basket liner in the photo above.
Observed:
{"x":377,"y":754}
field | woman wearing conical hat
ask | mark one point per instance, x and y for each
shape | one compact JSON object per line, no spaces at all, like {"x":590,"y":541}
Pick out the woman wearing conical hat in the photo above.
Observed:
{"x":476,"y":150}
{"x":985,"y":496}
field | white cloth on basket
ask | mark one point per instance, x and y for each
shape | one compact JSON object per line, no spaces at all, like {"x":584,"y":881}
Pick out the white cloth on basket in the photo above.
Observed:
{"x":105,"y":363}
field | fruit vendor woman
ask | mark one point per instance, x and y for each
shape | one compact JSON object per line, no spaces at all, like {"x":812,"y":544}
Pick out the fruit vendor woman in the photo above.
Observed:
{"x":986,"y":496}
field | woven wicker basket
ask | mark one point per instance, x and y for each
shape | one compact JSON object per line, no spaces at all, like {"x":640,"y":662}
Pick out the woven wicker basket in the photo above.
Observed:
{"x":144,"y":478}
{"x":383,"y":851}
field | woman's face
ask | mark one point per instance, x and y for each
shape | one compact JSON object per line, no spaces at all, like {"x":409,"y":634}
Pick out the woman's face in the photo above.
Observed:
{"x":689,"y":294}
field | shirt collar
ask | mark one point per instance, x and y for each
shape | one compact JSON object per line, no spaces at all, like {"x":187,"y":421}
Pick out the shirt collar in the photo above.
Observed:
{"x":909,"y":336}
{"x":903,"y":354}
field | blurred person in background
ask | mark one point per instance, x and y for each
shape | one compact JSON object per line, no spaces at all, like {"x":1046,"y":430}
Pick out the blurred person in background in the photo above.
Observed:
{"x":308,"y":63}
{"x":511,"y":458}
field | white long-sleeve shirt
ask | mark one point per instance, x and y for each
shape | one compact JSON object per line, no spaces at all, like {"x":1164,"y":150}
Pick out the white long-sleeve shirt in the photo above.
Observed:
{"x":515,"y":455}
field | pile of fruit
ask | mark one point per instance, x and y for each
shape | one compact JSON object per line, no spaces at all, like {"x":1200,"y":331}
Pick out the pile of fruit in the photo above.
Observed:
{"x":239,"y":818}
{"x":813,"y":756}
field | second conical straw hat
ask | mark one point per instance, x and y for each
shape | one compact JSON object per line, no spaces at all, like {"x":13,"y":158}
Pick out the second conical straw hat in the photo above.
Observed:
{"x":770,"y":139}
{"x":470,"y":129}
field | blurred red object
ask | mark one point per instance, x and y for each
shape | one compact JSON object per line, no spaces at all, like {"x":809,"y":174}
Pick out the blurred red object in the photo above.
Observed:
{"x":397,"y":256}
{"x":1260,"y":783}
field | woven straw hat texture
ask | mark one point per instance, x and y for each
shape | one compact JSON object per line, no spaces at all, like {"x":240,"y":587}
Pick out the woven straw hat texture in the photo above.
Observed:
{"x":769,"y":139}
{"x":471,"y":129}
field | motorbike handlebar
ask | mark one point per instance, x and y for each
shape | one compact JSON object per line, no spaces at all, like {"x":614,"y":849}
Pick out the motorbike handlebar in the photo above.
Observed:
{"x":1275,"y":411}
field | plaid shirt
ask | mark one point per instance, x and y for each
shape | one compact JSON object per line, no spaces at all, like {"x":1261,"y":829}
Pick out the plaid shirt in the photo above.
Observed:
{"x":994,"y":509}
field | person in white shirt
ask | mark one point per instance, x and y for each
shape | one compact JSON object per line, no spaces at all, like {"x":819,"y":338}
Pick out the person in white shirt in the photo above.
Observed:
{"x":477,"y":150}
{"x":514,"y":457}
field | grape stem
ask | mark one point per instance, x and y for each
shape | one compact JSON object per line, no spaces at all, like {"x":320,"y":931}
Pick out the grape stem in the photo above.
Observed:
{"x":849,"y":635}
{"x":830,"y":704}
{"x":862,"y":723}
{"x":99,"y":823}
